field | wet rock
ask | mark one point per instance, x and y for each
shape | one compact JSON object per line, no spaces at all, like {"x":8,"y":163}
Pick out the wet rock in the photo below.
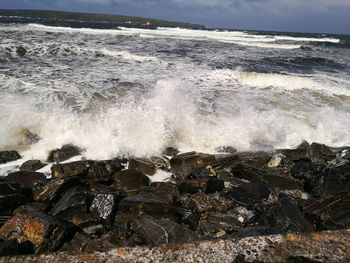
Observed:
{"x":152,"y":231}
{"x":205,"y":172}
{"x":201,"y":202}
{"x":26,"y":179}
{"x":302,"y":170}
{"x":328,"y":213}
{"x":32,"y":166}
{"x":282,"y":182}
{"x":296,"y":154}
{"x":9,"y":156}
{"x":21,"y":51}
{"x":208,"y":185}
{"x":321,"y":151}
{"x":217,"y":225}
{"x":170,"y":151}
{"x":13,"y":195}
{"x":303,"y":145}
{"x":29,"y":137}
{"x":9,"y":247}
{"x":157,"y":202}
{"x":53,"y":190}
{"x":287,"y":217}
{"x":79,"y":169}
{"x":247,"y":172}
{"x":73,"y":201}
{"x":66,"y":152}
{"x":276,"y":160}
{"x":104,"y":206}
{"x":114,"y":165}
{"x":129,"y":181}
{"x":98,"y":172}
{"x":255,"y":159}
{"x":144,"y":166}
{"x":226,"y":149}
{"x":249,"y":194}
{"x":162,"y":163}
{"x":188,"y":217}
{"x":45,"y":232}
{"x":98,"y":188}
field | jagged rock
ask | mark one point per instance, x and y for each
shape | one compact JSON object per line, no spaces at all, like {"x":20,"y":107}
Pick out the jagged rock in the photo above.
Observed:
{"x":9,"y":156}
{"x":162,"y":163}
{"x":155,"y":232}
{"x":73,"y":201}
{"x":29,"y":137}
{"x":276,"y":160}
{"x":32,"y":166}
{"x":201,"y":202}
{"x":26,"y":179}
{"x":218,"y":224}
{"x":21,"y":51}
{"x":170,"y":151}
{"x":45,"y":232}
{"x":98,"y":171}
{"x":296,"y":154}
{"x":282,"y":182}
{"x":188,"y":217}
{"x":114,"y":165}
{"x":97,"y":188}
{"x":53,"y":190}
{"x":13,"y":195}
{"x":208,"y":185}
{"x":249,"y":194}
{"x":9,"y":247}
{"x":321,"y":151}
{"x":129,"y":180}
{"x":255,"y":159}
{"x":205,"y":172}
{"x":157,"y":202}
{"x":104,"y":206}
{"x":144,"y":166}
{"x":328,"y":213}
{"x":303,"y":145}
{"x":286,"y":216}
{"x":79,"y":168}
{"x":302,"y":170}
{"x":66,"y":152}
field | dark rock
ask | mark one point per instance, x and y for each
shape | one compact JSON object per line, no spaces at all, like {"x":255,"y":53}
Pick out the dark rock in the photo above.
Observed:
{"x":287,"y":217}
{"x":97,"y":188}
{"x":26,"y":179}
{"x":218,"y":225}
{"x":249,"y":194}
{"x":303,"y":145}
{"x":32,"y":166}
{"x":257,"y":231}
{"x":206,"y":172}
{"x":255,"y":159}
{"x":13,"y":195}
{"x":9,"y":248}
{"x":296,"y":154}
{"x":201,"y":202}
{"x":79,"y":169}
{"x":282,"y":182}
{"x":9,"y":156}
{"x":150,"y":200}
{"x":226,"y":149}
{"x":162,"y":163}
{"x":171,"y":151}
{"x":53,"y":190}
{"x":104,"y":206}
{"x":188,"y":217}
{"x":21,"y":51}
{"x":45,"y":232}
{"x":208,"y":185}
{"x":72,"y":202}
{"x":66,"y":152}
{"x":302,"y":170}
{"x":129,"y":181}
{"x":98,"y":171}
{"x":329,"y":213}
{"x":144,"y":166}
{"x":247,"y":172}
{"x":29,"y":137}
{"x":114,"y":165}
{"x":321,"y":151}
{"x":155,"y":232}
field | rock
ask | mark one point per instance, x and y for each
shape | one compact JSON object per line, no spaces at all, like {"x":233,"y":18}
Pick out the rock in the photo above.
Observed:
{"x":9,"y":248}
{"x":226,"y":149}
{"x":162,"y":163}
{"x":157,"y":202}
{"x":282,"y":182}
{"x":205,"y":172}
{"x":276,"y":160}
{"x":98,"y":172}
{"x":9,"y":156}
{"x":201,"y":202}
{"x":129,"y":181}
{"x":144,"y":166}
{"x":302,"y":170}
{"x":296,"y":154}
{"x":208,"y":185}
{"x":104,"y":206}
{"x":66,"y":152}
{"x":217,"y":225}
{"x":329,"y":213}
{"x":79,"y":169}
{"x":321,"y":151}
{"x":249,"y":194}
{"x":45,"y":232}
{"x":26,"y":179}
{"x":155,"y":232}
{"x":287,"y":217}
{"x":53,"y":190}
{"x":29,"y":137}
{"x":170,"y":151}
{"x":303,"y":145}
{"x":32,"y":166}
{"x":73,"y":201}
{"x":247,"y":172}
{"x":257,"y":231}
{"x":255,"y":159}
{"x":97,"y":188}
{"x":21,"y":51}
{"x":13,"y":195}
{"x":114,"y":165}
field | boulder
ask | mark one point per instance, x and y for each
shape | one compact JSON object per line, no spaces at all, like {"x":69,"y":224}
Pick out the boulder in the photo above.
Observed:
{"x":114,"y":165}
{"x":129,"y":181}
{"x":208,"y":185}
{"x":218,"y":225}
{"x":31,"y":166}
{"x":142,"y":165}
{"x":249,"y":194}
{"x":201,"y":202}
{"x":9,"y":156}
{"x":79,"y":169}
{"x":45,"y":232}
{"x":98,"y":172}
{"x":321,"y":151}
{"x":104,"y":206}
{"x":29,"y":137}
{"x":9,"y":247}
{"x":66,"y":152}
{"x":154,"y":232}
{"x":13,"y":195}
{"x":26,"y":179}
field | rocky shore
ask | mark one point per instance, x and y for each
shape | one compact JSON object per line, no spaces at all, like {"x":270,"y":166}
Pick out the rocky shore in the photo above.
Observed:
{"x":281,"y":205}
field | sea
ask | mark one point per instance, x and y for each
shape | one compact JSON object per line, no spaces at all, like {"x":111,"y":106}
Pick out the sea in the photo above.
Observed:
{"x":134,"y":92}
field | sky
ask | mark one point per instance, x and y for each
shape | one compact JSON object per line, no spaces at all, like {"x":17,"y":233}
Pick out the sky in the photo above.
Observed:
{"x":324,"y":16}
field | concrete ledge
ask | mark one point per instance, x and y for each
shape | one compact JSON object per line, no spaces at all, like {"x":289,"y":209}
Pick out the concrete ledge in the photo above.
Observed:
{"x":330,"y":246}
